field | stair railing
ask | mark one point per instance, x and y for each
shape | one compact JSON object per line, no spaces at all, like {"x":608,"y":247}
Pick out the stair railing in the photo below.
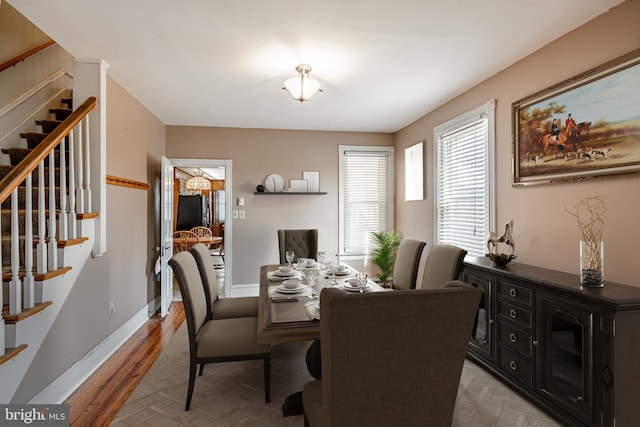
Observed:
{"x":61,"y":219}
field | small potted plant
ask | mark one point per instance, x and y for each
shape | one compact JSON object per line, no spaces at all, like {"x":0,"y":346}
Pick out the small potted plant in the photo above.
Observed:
{"x":384,"y":256}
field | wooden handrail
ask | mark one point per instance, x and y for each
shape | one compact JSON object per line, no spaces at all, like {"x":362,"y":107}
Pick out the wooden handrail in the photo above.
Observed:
{"x":10,"y":63}
{"x":20,"y":172}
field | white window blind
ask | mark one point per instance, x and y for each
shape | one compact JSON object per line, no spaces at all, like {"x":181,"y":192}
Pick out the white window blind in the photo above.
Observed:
{"x":464,"y":181}
{"x":366,"y":196}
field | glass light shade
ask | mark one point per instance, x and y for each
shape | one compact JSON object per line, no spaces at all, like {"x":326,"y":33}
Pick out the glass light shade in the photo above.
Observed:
{"x":198,"y":183}
{"x":302,"y":87}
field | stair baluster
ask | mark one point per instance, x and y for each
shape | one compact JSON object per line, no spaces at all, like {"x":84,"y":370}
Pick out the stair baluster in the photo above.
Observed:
{"x":79,"y":170}
{"x":41,"y":261}
{"x":15,"y":291}
{"x":73,"y":230}
{"x":53,"y":243}
{"x":63,"y":231}
{"x":29,"y":283}
{"x":86,"y":187}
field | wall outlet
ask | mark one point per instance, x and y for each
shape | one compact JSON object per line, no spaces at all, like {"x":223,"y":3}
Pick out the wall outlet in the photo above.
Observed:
{"x":241,"y":214}
{"x":111,"y":310}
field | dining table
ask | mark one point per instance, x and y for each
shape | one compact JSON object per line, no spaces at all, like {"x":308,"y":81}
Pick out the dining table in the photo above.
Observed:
{"x":289,"y":317}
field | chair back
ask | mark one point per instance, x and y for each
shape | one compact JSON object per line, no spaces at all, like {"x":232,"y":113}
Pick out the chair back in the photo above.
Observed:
{"x":202,"y":231}
{"x":304,"y":243}
{"x":405,"y":270}
{"x":203,"y":259}
{"x":444,"y":263}
{"x":393,"y":358}
{"x":187,"y":275}
{"x":183,"y":240}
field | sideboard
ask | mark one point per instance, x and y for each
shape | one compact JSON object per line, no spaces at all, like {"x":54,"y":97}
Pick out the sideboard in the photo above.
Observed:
{"x":574,"y":352}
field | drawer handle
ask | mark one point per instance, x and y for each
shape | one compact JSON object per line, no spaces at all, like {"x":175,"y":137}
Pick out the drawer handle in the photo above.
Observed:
{"x":513,"y":313}
{"x":513,"y":292}
{"x":513,"y":365}
{"x":536,"y":342}
{"x":513,"y":337}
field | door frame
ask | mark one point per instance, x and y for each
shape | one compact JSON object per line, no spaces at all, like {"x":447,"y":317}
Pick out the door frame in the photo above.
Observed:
{"x":228,"y":224}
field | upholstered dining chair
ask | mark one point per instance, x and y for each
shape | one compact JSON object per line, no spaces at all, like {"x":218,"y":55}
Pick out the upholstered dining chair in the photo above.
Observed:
{"x":212,"y":341}
{"x":444,"y":263}
{"x":183,"y":240}
{"x":303,"y":243}
{"x":390,"y":358}
{"x":405,"y":270}
{"x":220,"y":308}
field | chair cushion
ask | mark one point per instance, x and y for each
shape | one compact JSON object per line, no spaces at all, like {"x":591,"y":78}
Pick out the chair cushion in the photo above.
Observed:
{"x":229,"y":337}
{"x":312,"y":402}
{"x":227,"y":308}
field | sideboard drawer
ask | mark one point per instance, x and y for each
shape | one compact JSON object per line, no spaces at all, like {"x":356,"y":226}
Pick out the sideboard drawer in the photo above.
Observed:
{"x":515,"y":339}
{"x":515,"y":293}
{"x":516,"y":366}
{"x":513,"y":313}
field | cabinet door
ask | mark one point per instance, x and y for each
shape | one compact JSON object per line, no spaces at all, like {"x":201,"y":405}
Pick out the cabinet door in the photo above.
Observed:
{"x":564,"y":354}
{"x":483,"y":327}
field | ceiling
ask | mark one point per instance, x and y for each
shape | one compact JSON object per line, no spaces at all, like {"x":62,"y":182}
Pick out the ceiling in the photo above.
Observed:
{"x":381,"y":64}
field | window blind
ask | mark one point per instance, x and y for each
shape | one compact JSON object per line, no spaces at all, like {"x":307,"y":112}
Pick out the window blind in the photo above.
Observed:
{"x":463,"y":200}
{"x":366,"y":197}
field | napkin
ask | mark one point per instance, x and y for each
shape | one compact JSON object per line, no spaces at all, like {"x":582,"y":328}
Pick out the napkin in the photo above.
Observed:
{"x":313,"y":309}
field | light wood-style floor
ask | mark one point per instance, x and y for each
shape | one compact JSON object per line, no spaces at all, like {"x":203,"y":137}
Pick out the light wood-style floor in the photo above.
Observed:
{"x":98,"y":400}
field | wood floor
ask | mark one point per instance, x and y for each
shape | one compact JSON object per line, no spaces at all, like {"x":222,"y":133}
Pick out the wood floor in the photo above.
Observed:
{"x":98,"y":400}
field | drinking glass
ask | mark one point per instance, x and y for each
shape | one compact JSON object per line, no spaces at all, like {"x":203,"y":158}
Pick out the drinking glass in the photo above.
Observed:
{"x":289,"y":255}
{"x":333,"y":267}
{"x":362,"y":278}
{"x":300,"y":267}
{"x":312,"y":278}
{"x":321,"y":259}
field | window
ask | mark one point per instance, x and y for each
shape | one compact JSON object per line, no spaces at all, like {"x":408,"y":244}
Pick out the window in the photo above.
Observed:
{"x":366,"y":197}
{"x":464,"y":179}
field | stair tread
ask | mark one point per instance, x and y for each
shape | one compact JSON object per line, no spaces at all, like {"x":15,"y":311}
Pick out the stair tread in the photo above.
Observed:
{"x":25,"y":313}
{"x":6,"y":276}
{"x":10,"y":353}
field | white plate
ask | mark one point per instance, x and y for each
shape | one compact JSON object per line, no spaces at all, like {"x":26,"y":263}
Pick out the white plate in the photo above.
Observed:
{"x":348,"y":287}
{"x":282,"y":289}
{"x":284,"y":273}
{"x":343,"y":273}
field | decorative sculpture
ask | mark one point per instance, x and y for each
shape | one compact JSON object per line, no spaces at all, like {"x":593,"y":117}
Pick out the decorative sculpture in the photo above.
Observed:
{"x":492,"y":245}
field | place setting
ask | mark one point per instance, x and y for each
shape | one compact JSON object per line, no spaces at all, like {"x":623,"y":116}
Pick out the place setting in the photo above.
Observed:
{"x":283,"y":273}
{"x":360,"y":283}
{"x":291,"y":289}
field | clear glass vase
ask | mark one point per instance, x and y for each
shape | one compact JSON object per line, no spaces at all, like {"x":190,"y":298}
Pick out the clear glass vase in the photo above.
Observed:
{"x":592,"y":264}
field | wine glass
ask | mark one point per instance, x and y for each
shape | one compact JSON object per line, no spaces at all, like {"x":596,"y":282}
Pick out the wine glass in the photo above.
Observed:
{"x":361,"y":279}
{"x":333,"y":267}
{"x":312,"y":279}
{"x":300,"y":267}
{"x":289,"y":255}
{"x":321,"y":259}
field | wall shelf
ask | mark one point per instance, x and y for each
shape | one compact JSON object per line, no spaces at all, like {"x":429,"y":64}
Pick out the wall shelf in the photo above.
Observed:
{"x":267,"y":193}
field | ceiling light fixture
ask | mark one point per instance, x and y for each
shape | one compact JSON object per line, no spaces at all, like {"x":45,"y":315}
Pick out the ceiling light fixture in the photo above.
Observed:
{"x":198,"y":182}
{"x":302,"y":87}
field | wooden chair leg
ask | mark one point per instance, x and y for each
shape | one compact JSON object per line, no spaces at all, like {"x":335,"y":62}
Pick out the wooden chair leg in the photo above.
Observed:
{"x":201,"y":369}
{"x":192,"y":381}
{"x":267,"y":378}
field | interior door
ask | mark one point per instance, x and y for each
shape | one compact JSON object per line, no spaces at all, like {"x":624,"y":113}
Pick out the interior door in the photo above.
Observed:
{"x":166,"y":230}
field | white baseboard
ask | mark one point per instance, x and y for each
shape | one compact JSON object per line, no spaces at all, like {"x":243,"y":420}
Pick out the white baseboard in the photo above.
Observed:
{"x":244,"y":290}
{"x":62,"y":387}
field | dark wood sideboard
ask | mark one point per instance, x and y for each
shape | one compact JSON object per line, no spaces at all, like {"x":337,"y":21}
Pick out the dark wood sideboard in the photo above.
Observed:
{"x":574,"y":352}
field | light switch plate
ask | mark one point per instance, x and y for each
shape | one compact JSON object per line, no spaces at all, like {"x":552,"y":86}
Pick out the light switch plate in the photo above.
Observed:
{"x":235,"y":214}
{"x":241,"y":213}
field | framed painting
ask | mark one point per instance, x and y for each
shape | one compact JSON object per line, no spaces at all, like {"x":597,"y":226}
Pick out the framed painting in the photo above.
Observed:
{"x":581,"y":129}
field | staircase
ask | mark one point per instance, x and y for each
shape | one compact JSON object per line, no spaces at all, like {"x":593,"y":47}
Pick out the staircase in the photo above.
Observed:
{"x":46,"y":232}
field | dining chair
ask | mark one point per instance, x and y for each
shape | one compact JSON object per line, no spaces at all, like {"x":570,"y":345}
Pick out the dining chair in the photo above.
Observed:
{"x":405,"y":270}
{"x":304,"y":243}
{"x":444,"y":263}
{"x":202,"y":231}
{"x":213,"y":341}
{"x":220,"y":308}
{"x":183,"y":240}
{"x":390,"y":358}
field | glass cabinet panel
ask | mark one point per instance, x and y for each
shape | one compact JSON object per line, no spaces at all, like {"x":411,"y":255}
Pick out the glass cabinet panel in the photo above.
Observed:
{"x":482,"y":333}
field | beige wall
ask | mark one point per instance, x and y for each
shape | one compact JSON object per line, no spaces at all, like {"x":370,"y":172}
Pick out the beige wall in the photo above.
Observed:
{"x":16,"y":28}
{"x":545,"y":234}
{"x":256,"y":153}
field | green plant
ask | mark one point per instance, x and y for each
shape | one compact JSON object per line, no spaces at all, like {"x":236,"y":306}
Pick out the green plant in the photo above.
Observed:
{"x":384,"y":256}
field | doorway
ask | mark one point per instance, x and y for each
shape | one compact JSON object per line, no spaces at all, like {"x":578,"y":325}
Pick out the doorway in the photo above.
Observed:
{"x":218,"y":171}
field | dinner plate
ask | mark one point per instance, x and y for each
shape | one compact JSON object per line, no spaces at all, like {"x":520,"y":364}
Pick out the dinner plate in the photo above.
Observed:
{"x":343,"y":273}
{"x":349,"y":287}
{"x":284,"y":290}
{"x":284,"y":273}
